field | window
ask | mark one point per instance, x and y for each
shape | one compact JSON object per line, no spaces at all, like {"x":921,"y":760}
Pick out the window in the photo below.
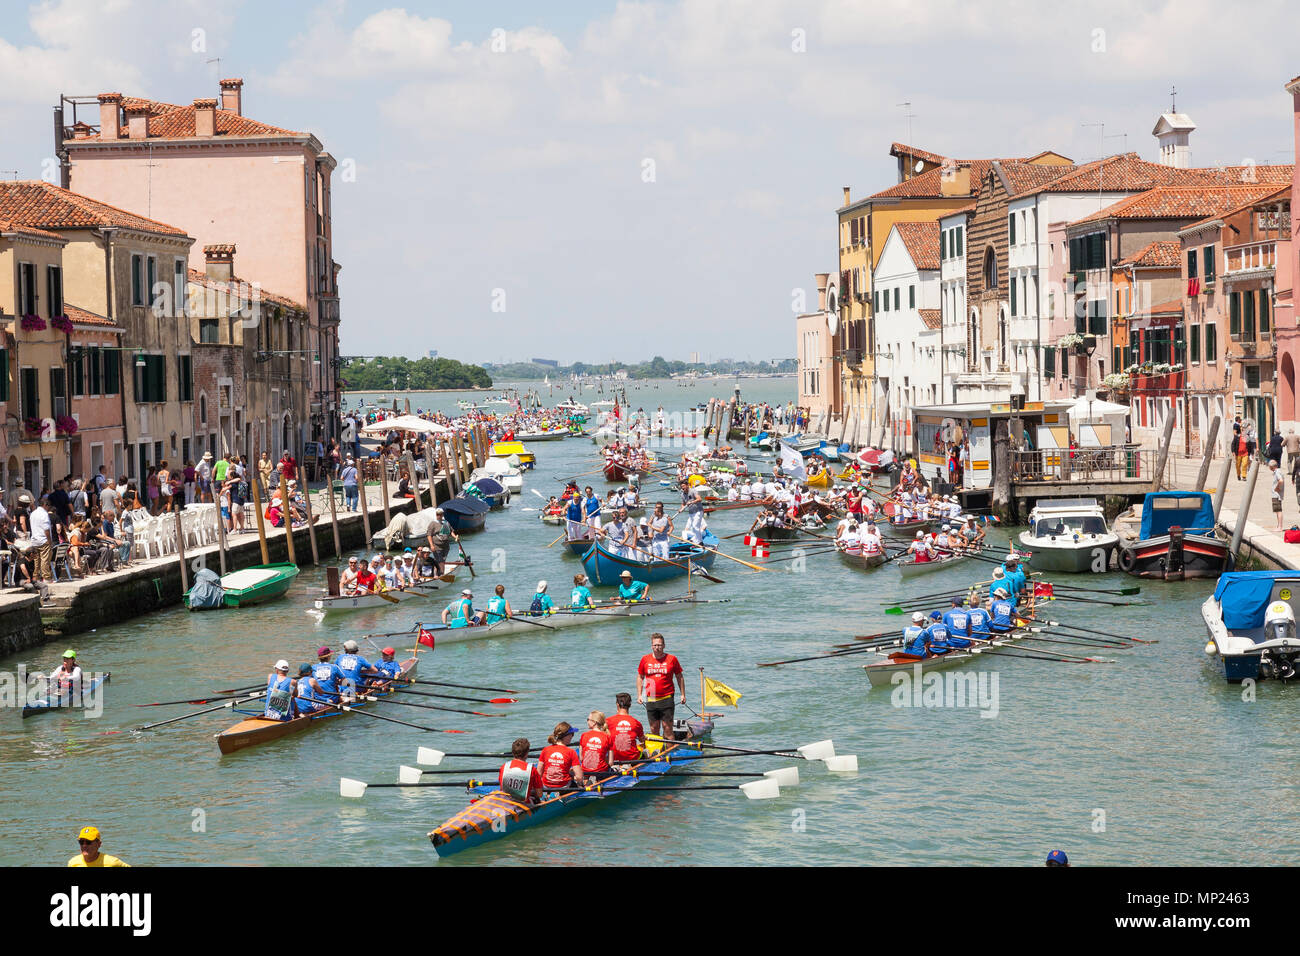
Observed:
{"x":1252,"y":376}
{"x":1234,"y":314}
{"x":1049,"y":363}
{"x":26,"y":288}
{"x":151,"y":380}
{"x":896,"y":296}
{"x":185,"y":378}
{"x":1097,"y":317}
{"x":1211,"y":342}
{"x":1134,"y":347}
{"x":58,"y":392}
{"x":153,"y":280}
{"x":959,"y":248}
{"x":1191,"y":263}
{"x":990,"y":269}
{"x":1264,"y":324}
{"x":203,"y":408}
{"x":209,"y":333}
{"x":1014,"y":305}
{"x":54,"y":281}
{"x":1248,"y":316}
{"x":1194,"y":341}
{"x":1208,"y":260}
{"x":4,"y":375}
{"x":77,"y":372}
{"x":1117,"y":357}
{"x":137,"y":280}
{"x":112,"y":371}
{"x":1180,"y":345}
{"x":1051,"y":305}
{"x":911,"y":297}
{"x":178,"y":287}
{"x":30,"y":395}
{"x":1011,"y":228}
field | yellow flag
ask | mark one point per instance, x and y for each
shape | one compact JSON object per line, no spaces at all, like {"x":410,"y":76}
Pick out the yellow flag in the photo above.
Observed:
{"x":718,"y":694}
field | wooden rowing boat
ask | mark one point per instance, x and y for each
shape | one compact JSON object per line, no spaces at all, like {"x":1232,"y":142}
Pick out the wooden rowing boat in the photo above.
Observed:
{"x":493,"y":815}
{"x":253,"y":730}
{"x":46,"y":704}
{"x":606,"y":568}
{"x":854,"y":558}
{"x":560,"y":618}
{"x":910,"y":567}
{"x":255,"y":585}
{"x":905,"y":528}
{"x":327,"y":603}
{"x":881,"y":673}
{"x":820,"y":480}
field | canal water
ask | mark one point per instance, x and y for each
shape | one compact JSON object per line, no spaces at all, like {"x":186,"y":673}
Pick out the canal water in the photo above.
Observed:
{"x":1152,"y":759}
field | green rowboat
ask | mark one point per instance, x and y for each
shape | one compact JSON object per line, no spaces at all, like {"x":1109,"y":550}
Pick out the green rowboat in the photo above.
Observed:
{"x":261,"y":582}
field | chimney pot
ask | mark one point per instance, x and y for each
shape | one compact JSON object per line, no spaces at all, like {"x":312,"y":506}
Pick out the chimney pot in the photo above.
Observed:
{"x":205,"y":117}
{"x":110,"y":115}
{"x":137,"y":123}
{"x":232,"y":95}
{"x":219,"y":261}
{"x":846,"y":195}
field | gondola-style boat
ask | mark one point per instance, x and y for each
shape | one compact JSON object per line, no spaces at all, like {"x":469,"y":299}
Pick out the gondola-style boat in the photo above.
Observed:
{"x":776,"y":532}
{"x":254,"y":585}
{"x":44,"y":705}
{"x":620,"y":469}
{"x":911,"y":568}
{"x":494,"y":815}
{"x":1177,"y":539}
{"x":905,"y":529}
{"x":605,"y":568}
{"x":331,"y":600}
{"x":253,"y":730}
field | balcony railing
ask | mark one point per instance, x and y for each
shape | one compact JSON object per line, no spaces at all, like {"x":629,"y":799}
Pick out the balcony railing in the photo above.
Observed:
{"x":1250,"y":256}
{"x":1161,"y":382}
{"x":1112,"y":463}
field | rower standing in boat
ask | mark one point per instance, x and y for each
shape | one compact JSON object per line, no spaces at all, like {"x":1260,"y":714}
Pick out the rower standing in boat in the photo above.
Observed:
{"x":575,"y":528}
{"x":439,"y":537}
{"x":594,"y":746}
{"x":591,"y":508}
{"x":580,"y":596}
{"x":65,"y":681}
{"x":630,"y":591}
{"x":460,"y":612}
{"x":654,"y":686}
{"x":518,"y":777}
{"x":281,"y":689}
{"x":498,"y":608}
{"x":541,"y":603}
{"x":354,"y":667}
{"x":627,"y":736}
{"x":560,"y":766}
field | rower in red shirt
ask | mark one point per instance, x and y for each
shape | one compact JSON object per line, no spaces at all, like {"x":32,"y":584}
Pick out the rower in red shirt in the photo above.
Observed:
{"x":518,"y":778}
{"x":654,"y":686}
{"x":594,"y":745}
{"x":560,"y":766}
{"x":366,"y":580}
{"x":626,"y":733}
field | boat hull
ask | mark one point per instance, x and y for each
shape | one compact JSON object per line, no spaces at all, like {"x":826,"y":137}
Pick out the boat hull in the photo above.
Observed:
{"x":494,"y":815}
{"x":605,"y":568}
{"x":906,"y":529}
{"x":47,"y":704}
{"x":859,"y":561}
{"x":1091,"y":556}
{"x":1163,"y":557}
{"x":881,"y":673}
{"x":361,"y":602}
{"x":912,"y":569}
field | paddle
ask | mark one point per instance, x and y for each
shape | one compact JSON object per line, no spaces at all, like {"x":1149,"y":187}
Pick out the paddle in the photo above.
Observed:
{"x":207,"y":710}
{"x":472,"y":700}
{"x":204,"y":700}
{"x":821,"y":750}
{"x":411,"y":703}
{"x":394,"y":720}
{"x":562,"y":536}
{"x":756,"y":567}
{"x":464,"y":559}
{"x":1089,"y":630}
{"x":442,"y":683}
{"x":762,"y":789}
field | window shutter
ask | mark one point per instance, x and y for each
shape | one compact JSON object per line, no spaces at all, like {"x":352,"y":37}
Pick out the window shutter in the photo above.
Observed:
{"x":896,"y":298}
{"x":1011,"y":228}
{"x":4,"y":375}
{"x":1049,"y":363}
{"x":93,"y":356}
{"x":1013,"y":297}
{"x":911,"y":298}
{"x":1263,"y":312}
{"x":1211,"y":342}
{"x":1248,"y":316}
{"x":959,"y":246}
{"x":1234,"y":313}
{"x":112,"y":372}
{"x":1191,"y":264}
{"x":1194,"y":339}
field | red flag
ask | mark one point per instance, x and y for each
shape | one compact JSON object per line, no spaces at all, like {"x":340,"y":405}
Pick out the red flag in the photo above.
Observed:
{"x":760,"y":551}
{"x":426,"y":637}
{"x":616,"y":415}
{"x":1042,"y":589}
{"x":753,"y":540}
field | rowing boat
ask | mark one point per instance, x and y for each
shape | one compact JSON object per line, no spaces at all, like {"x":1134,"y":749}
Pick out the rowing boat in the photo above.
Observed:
{"x":262,"y":582}
{"x":45,"y":704}
{"x":820,"y":480}
{"x":360,"y":602}
{"x":881,"y":673}
{"x":911,"y":568}
{"x":561,"y":618}
{"x":906,"y":528}
{"x":493,"y":814}
{"x":554,"y":434}
{"x":253,"y":730}
{"x":606,"y":568}
{"x":854,"y":558}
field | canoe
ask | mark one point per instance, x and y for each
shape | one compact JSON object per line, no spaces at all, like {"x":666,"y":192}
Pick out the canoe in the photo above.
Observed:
{"x":494,"y":815}
{"x":559,"y":619}
{"x":554,"y":434}
{"x":261,"y":582}
{"x":776,"y":533}
{"x":360,"y":602}
{"x":862,"y":562}
{"x":881,"y":673}
{"x":909,"y":568}
{"x":255,"y":730}
{"x":46,"y":704}
{"x":604,"y":568}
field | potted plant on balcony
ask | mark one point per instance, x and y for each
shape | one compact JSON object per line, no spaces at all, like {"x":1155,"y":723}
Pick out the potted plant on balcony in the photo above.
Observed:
{"x":65,"y":425}
{"x":31,"y":322}
{"x":31,"y":428}
{"x":1071,"y":341}
{"x":62,"y":323}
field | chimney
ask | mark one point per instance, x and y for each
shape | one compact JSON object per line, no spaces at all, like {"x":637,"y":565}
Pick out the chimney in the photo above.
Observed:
{"x":954,"y":180}
{"x":232,"y":97}
{"x":82,"y":131}
{"x":205,"y":117}
{"x":219,"y":261}
{"x":822,"y":279}
{"x":110,"y":115}
{"x":846,"y":195}
{"x":137,"y":122}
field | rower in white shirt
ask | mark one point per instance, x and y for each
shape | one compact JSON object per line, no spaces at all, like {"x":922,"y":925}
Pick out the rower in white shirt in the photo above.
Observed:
{"x":871,"y":541}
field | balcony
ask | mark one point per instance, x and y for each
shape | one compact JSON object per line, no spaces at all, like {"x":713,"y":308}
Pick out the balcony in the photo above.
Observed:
{"x":1250,"y":258}
{"x":1149,"y":383}
{"x":853,"y":356}
{"x":329,"y":311}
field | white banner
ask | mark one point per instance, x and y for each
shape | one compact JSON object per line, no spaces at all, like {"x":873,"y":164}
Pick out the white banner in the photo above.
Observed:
{"x":792,"y":463}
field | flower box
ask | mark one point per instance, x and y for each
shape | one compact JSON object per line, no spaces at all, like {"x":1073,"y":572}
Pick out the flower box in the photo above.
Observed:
{"x":62,"y":323}
{"x":32,"y":323}
{"x":65,"y":425}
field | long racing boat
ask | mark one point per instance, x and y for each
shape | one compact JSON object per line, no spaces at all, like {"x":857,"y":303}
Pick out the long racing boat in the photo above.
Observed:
{"x":881,"y":673}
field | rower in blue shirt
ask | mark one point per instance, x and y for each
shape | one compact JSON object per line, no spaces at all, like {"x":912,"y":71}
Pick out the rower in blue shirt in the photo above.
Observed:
{"x":629,"y":590}
{"x":541,"y":603}
{"x":354,"y":667}
{"x":279,"y":693}
{"x":958,"y":623}
{"x":938,"y":634}
{"x":308,"y":700}
{"x":1015,"y":575}
{"x":1000,"y":580}
{"x":916,"y":637}
{"x":1001,"y":611}
{"x":978,"y":619}
{"x":325,"y":677}
{"x":591,"y":507}
{"x":580,"y":597}
{"x":460,"y":612}
{"x":388,"y":666}
{"x":498,"y":608}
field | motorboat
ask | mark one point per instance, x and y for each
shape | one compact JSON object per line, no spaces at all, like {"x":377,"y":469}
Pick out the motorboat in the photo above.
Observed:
{"x":1070,"y":535}
{"x":1176,"y":539}
{"x":1251,"y":623}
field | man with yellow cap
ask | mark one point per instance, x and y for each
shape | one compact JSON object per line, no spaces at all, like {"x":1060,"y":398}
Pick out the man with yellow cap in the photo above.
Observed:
{"x":90,"y":855}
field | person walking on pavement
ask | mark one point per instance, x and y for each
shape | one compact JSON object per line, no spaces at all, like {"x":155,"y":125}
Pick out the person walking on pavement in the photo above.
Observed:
{"x":1273,"y":452}
{"x":1279,"y":486}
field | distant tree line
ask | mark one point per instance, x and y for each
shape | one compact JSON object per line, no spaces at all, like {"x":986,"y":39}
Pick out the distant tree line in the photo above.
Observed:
{"x":657,"y":367}
{"x":386,"y":373}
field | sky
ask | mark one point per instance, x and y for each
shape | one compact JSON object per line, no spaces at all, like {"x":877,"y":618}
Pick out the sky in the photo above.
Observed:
{"x":587,"y":181}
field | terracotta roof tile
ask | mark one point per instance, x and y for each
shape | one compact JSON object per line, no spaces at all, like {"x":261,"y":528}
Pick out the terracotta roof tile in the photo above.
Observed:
{"x":9,"y":226}
{"x":170,"y":121}
{"x":1031,"y":177}
{"x":1270,"y":192}
{"x":1180,"y":202}
{"x":933,"y":318}
{"x":80,"y":316}
{"x":238,"y":290}
{"x":921,"y":239}
{"x":1164,"y":254}
{"x":1249,"y":175}
{"x":41,"y":204}
{"x":901,"y":149}
{"x":929,"y":185}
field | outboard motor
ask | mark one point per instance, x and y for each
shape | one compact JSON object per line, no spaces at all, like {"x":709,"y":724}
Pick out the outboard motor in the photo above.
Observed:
{"x":1279,"y":624}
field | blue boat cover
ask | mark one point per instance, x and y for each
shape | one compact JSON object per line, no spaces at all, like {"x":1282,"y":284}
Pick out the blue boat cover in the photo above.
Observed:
{"x":1244,"y":596}
{"x":465,"y":506}
{"x":207,"y":591}
{"x":1192,"y":511}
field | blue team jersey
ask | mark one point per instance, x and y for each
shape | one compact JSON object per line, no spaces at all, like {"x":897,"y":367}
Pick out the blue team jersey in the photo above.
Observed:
{"x":462,"y":610}
{"x":351,"y":665}
{"x":914,"y":641}
{"x":580,"y":597}
{"x":574,"y":512}
{"x":328,"y":676}
{"x":496,"y":609}
{"x":390,"y":668}
{"x":1003,"y":613}
{"x":938,"y":636}
{"x":279,"y":697}
{"x":958,"y":622}
{"x":592,"y":506}
{"x":634,"y":591}
{"x":979,"y":621}
{"x":542,"y":603}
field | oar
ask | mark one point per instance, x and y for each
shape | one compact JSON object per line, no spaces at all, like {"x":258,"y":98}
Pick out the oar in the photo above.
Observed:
{"x":518,"y":617}
{"x":394,"y":720}
{"x":821,"y":750}
{"x":442,"y":683}
{"x":1123,"y":592}
{"x":464,"y":559}
{"x":472,"y":700}
{"x":204,"y":700}
{"x":1028,"y":654}
{"x":562,"y":536}
{"x":756,"y":567}
{"x":698,"y":571}
{"x":1090,"y":630}
{"x":411,"y":703}
{"x":207,"y":710}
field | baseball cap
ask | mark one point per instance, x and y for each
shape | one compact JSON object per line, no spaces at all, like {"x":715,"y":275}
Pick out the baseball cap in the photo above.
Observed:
{"x":467,"y":592}
{"x":917,"y":617}
{"x":92,"y":833}
{"x":69,"y":653}
{"x":388,"y":650}
{"x":282,"y":665}
{"x":1058,"y":858}
{"x":323,"y":652}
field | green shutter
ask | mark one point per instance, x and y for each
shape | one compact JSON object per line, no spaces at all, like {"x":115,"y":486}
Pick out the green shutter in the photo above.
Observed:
{"x":1194,"y":339}
{"x":911,"y":297}
{"x":1248,"y":317}
{"x":959,"y":247}
{"x":1211,"y":342}
{"x":112,"y":372}
{"x":1191,"y":264}
{"x":1263,"y":312}
{"x":1049,"y":363}
{"x":1011,"y":228}
{"x":96,"y":381}
{"x":1234,"y":314}
{"x":1208,"y":254}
